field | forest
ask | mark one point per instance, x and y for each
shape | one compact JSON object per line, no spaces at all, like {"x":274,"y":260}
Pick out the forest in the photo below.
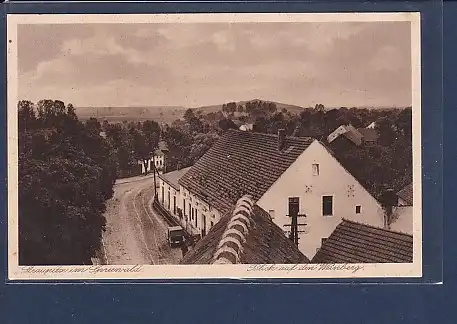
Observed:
{"x":66,"y":174}
{"x":67,"y":167}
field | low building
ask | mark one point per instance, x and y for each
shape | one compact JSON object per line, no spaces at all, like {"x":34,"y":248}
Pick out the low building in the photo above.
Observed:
{"x":353,"y":242}
{"x":245,"y":235}
{"x":403,"y":212}
{"x":169,"y":195}
{"x":347,"y":133}
{"x":160,"y":160}
{"x":274,"y":169}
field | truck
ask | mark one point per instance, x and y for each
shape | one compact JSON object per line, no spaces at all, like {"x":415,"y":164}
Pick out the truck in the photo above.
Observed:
{"x":175,"y":236}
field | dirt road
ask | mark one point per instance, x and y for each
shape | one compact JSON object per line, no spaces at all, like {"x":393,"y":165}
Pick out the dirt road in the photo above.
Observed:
{"x":135,"y":234}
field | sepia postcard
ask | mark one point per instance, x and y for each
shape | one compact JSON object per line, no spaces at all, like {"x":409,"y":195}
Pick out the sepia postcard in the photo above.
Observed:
{"x":203,"y":146}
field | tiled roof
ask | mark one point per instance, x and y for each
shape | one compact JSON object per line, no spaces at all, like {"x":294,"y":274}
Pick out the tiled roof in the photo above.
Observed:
{"x":238,"y":163}
{"x":173,"y":177}
{"x":245,"y":235}
{"x":353,"y":242}
{"x":353,"y":134}
{"x":406,"y":194}
{"x":348,"y":131}
{"x":369,"y":134}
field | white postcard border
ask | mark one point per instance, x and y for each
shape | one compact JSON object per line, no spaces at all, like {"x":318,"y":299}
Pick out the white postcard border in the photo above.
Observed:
{"x":379,"y":270}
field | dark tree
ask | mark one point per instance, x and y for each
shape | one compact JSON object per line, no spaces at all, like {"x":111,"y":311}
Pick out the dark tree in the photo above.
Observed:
{"x":66,"y":173}
{"x":226,"y":124}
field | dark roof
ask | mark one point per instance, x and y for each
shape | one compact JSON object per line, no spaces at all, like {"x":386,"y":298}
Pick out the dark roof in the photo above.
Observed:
{"x":353,"y":134}
{"x":406,"y":194}
{"x":369,"y":134}
{"x":238,"y":163}
{"x":173,"y":177}
{"x":264,"y":243}
{"x":349,"y":131}
{"x":353,"y":242}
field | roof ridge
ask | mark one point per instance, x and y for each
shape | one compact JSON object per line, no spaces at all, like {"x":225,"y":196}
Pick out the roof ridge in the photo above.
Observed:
{"x":376,"y":227}
{"x":230,"y":246}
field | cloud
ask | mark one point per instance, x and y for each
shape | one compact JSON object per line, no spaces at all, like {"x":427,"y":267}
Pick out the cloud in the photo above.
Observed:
{"x":198,"y":64}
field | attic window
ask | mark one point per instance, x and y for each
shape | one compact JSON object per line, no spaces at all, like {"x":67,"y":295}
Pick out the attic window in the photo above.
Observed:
{"x":315,"y":169}
{"x":358,"y":209}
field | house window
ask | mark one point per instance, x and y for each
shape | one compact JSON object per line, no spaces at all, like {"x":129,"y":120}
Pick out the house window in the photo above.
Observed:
{"x":272,"y":213}
{"x":294,"y":206}
{"x":316,"y":169}
{"x":184,"y":207}
{"x":191,"y":212}
{"x":211,"y":224}
{"x":358,"y":209}
{"x":327,"y":205}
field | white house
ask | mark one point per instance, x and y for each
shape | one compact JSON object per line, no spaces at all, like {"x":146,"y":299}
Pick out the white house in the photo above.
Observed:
{"x":192,"y":213}
{"x":160,"y":162}
{"x":199,"y":217}
{"x":168,"y":191}
{"x":272,"y":169}
{"x":327,"y":193}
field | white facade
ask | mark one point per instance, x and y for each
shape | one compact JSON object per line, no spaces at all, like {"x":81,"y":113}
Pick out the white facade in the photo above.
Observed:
{"x":198,"y":216}
{"x":315,"y":174}
{"x":168,"y":197}
{"x":403,"y":219}
{"x":337,"y":132}
{"x":159,"y":163}
{"x":372,"y":125}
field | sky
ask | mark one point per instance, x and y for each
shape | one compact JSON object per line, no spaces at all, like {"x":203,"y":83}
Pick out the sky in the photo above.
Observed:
{"x":197,"y":64}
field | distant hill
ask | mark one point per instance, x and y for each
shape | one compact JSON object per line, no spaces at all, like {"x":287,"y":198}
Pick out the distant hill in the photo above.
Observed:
{"x":279,"y":106}
{"x":164,"y":114}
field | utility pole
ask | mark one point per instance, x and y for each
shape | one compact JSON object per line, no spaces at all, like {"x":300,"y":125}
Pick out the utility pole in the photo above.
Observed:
{"x":154,"y":171}
{"x":294,"y":206}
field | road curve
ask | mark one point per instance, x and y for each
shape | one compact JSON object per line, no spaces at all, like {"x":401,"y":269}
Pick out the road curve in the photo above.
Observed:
{"x":135,"y":234}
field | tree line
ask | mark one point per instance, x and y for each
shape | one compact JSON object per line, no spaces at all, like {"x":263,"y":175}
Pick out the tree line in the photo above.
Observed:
{"x":66,"y":174}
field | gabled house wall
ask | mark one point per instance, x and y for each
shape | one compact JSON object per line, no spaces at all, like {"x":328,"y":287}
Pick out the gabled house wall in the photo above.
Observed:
{"x":299,"y":180}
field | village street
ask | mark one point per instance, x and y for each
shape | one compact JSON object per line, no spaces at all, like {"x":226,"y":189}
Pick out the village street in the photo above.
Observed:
{"x":135,"y":233}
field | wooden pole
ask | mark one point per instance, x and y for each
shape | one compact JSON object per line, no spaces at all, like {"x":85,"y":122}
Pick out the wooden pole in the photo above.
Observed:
{"x":154,"y":171}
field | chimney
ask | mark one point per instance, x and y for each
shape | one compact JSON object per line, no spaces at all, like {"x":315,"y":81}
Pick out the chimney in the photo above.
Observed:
{"x":281,"y":138}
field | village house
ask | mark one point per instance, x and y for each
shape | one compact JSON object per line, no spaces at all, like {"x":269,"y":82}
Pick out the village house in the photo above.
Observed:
{"x":353,"y":242}
{"x":403,"y":211}
{"x":246,"y":235}
{"x":348,"y":133}
{"x":168,"y":193}
{"x":356,"y":136}
{"x":159,"y":158}
{"x":274,"y":169}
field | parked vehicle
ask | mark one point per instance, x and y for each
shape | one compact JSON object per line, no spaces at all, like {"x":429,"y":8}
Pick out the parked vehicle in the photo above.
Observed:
{"x":175,"y":235}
